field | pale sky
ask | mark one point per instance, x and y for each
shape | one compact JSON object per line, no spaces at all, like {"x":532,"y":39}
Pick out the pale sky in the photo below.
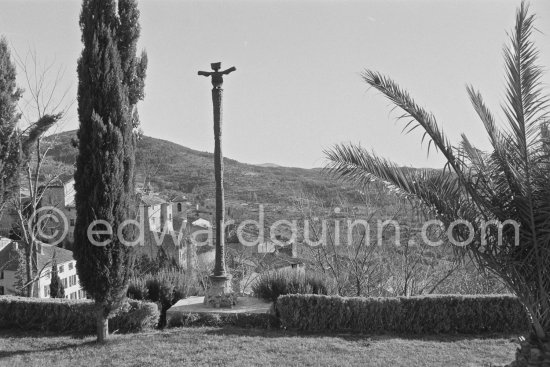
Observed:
{"x":297,"y":88}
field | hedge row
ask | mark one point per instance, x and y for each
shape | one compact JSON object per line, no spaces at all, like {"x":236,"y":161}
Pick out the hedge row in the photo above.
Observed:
{"x":409,"y":315}
{"x":75,"y":316}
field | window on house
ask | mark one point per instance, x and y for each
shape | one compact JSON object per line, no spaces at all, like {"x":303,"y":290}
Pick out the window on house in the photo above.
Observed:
{"x":46,"y":291}
{"x":1,"y":290}
{"x":294,"y":266}
{"x":72,"y":280}
{"x":179,"y":207}
{"x":61,"y":268}
{"x":73,"y":295}
{"x":71,"y":266}
{"x":64,"y":282}
{"x":72,"y":222}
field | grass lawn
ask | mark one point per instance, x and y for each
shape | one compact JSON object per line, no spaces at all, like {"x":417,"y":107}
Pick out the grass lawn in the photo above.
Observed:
{"x":250,"y":347}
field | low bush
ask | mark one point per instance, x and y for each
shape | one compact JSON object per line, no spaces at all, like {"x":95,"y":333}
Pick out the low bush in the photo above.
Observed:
{"x":164,"y":288}
{"x":135,"y":316}
{"x":271,"y":285}
{"x":75,"y":316}
{"x":243,"y":320}
{"x":408,"y":315}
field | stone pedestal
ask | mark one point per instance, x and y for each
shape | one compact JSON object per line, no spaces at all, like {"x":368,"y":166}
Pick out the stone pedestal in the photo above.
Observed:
{"x":220,"y":295}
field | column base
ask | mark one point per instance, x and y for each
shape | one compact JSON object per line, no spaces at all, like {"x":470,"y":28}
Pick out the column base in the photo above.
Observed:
{"x":219,"y":294}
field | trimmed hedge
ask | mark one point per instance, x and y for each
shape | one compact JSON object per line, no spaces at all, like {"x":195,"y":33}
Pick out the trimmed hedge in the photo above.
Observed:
{"x":75,"y":316}
{"x":408,"y":315}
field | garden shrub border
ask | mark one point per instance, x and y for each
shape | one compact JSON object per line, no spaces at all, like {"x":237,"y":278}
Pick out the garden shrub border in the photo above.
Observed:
{"x":73,"y":316}
{"x":434,"y":314}
{"x":445,"y":314}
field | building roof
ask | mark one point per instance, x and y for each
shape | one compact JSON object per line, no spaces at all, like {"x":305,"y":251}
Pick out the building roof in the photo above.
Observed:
{"x":150,"y":200}
{"x":202,"y":223}
{"x":273,"y":260}
{"x":180,"y":198}
{"x":9,"y":260}
{"x":62,"y":180}
{"x":61,"y":256}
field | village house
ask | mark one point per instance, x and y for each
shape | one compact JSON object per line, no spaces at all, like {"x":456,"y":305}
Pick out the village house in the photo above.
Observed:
{"x":8,"y":220}
{"x":66,"y":269}
{"x":160,"y":220}
{"x":60,"y":194}
{"x":179,"y":204}
{"x":157,"y":211}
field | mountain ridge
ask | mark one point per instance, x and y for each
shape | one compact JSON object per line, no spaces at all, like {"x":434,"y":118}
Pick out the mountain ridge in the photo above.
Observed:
{"x":169,"y":166}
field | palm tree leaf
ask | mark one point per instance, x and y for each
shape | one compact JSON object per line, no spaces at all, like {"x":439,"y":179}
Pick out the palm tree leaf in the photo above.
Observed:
{"x":439,"y":191}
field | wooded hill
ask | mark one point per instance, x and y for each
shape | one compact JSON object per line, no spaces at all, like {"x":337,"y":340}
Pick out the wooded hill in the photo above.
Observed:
{"x":174,"y":167}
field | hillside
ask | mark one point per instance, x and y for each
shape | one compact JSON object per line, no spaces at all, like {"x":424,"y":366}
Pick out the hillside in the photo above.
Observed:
{"x":174,"y":167}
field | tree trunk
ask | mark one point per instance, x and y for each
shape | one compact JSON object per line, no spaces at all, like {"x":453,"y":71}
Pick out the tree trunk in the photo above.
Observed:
{"x":102,"y":327}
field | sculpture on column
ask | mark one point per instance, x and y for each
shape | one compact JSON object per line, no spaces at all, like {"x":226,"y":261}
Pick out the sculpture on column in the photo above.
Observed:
{"x":219,"y":294}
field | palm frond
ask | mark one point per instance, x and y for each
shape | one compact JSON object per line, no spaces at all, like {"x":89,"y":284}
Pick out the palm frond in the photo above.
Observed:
{"x":439,"y":191}
{"x":526,"y":104}
{"x":413,"y":112}
{"x":426,"y":120}
{"x":500,"y":141}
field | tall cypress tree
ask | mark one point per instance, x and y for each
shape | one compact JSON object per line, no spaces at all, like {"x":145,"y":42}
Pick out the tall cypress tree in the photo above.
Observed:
{"x":104,"y":178}
{"x":9,"y":147}
{"x":20,"y":273}
{"x":56,"y":288}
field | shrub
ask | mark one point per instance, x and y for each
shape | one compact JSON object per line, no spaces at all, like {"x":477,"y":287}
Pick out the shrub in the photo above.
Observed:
{"x":165,"y":288}
{"x":75,"y":316}
{"x":243,"y":320}
{"x":135,"y":316}
{"x":137,"y":289}
{"x":412,"y":315}
{"x":271,"y":285}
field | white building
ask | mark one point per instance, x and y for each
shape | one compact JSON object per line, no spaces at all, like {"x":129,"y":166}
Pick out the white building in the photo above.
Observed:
{"x":157,"y":211}
{"x":66,"y":269}
{"x":60,"y":194}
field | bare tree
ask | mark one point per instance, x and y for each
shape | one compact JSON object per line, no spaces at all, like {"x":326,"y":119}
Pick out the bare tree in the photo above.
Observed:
{"x":44,"y":105}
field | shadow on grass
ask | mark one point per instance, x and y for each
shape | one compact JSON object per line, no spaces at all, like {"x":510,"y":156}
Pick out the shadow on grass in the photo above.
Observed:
{"x":12,"y":353}
{"x":19,"y":334}
{"x":349,"y":336}
{"x":47,"y":341}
